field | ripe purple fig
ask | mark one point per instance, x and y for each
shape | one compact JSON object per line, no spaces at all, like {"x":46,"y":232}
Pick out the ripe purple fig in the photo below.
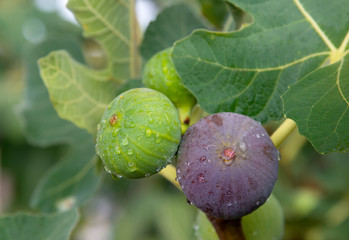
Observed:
{"x":227,"y":165}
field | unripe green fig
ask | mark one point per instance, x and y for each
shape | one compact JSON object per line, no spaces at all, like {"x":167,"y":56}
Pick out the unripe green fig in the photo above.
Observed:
{"x":139,"y":133}
{"x":160,"y":74}
{"x":266,"y":223}
{"x":227,"y":165}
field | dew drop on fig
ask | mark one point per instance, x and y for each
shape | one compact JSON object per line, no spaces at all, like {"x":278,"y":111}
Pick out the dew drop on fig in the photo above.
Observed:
{"x":125,"y":141}
{"x":147,"y":132}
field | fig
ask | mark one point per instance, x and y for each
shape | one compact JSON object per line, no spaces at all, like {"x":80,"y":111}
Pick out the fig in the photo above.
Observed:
{"x":266,"y":223}
{"x":227,"y":165}
{"x":139,"y":133}
{"x":160,"y":74}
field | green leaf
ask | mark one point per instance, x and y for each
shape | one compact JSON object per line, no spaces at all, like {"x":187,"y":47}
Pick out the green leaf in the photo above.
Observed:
{"x":78,"y":94}
{"x":247,"y":71}
{"x":73,"y":179}
{"x":41,"y":123}
{"x":319,"y":104}
{"x":25,"y":226}
{"x":215,"y":11}
{"x":165,"y":214}
{"x":173,"y":23}
{"x":113,"y":24}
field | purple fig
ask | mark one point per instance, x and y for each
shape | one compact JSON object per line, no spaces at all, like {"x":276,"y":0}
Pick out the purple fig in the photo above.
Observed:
{"x":227,"y":165}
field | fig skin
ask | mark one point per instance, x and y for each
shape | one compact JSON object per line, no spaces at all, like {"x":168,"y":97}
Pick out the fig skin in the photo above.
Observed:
{"x":227,"y":165}
{"x":160,"y":74}
{"x":139,"y":133}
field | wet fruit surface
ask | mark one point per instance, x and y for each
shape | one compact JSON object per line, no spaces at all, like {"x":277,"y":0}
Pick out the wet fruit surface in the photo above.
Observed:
{"x":227,"y":165}
{"x":139,"y":133}
{"x":160,"y":74}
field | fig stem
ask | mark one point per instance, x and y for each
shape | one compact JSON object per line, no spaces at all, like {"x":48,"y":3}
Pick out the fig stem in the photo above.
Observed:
{"x":169,"y":173}
{"x":184,"y":116}
{"x":228,"y":229}
{"x":283,"y":131}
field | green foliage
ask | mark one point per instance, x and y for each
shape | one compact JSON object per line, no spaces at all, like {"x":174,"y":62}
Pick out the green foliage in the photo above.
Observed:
{"x":248,"y":70}
{"x":158,"y":216}
{"x":79,"y":94}
{"x":113,"y":24}
{"x":24,"y":226}
{"x":172,"y":24}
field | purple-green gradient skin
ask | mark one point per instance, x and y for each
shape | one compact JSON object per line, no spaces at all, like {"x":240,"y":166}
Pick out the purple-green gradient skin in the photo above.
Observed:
{"x":227,"y":165}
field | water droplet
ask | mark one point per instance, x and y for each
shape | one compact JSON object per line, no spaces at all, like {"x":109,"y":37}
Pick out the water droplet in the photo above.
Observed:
{"x":107,"y":169}
{"x":257,"y":203}
{"x":243,"y":146}
{"x":201,"y":177}
{"x":147,"y":132}
{"x":97,"y":150}
{"x":157,"y":138}
{"x":141,"y":127}
{"x":196,"y":227}
{"x":130,"y":151}
{"x":116,"y":131}
{"x":278,"y":155}
{"x":117,"y":149}
{"x":229,"y":193}
{"x":230,"y":204}
{"x":125,"y":141}
{"x":209,"y":160}
{"x":263,"y":134}
{"x":130,"y":164}
{"x":176,"y":179}
{"x":258,"y":136}
{"x":178,"y":171}
{"x":98,"y":127}
{"x":189,"y":202}
{"x":117,"y":175}
{"x":104,"y":121}
{"x":158,"y":169}
{"x":147,"y":175}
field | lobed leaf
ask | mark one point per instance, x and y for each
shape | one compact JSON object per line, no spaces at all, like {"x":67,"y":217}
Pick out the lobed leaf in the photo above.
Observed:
{"x":74,"y":178}
{"x":247,"y":71}
{"x":78,"y":94}
{"x":319,"y":104}
{"x":25,"y":226}
{"x":113,"y":24}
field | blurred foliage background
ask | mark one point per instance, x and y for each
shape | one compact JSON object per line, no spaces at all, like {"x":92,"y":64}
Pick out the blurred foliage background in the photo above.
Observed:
{"x":313,"y":189}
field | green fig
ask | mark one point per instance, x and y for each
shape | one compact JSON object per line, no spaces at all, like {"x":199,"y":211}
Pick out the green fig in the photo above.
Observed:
{"x":265,"y":223}
{"x":160,"y":74}
{"x":139,"y":133}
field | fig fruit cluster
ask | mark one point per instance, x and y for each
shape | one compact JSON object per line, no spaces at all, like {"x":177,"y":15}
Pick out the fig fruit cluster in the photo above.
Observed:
{"x":226,"y":163}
